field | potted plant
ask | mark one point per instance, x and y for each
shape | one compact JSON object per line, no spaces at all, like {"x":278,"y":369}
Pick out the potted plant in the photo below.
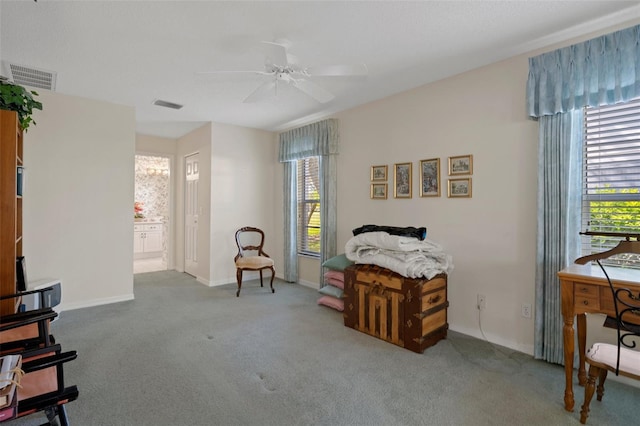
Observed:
{"x":16,"y":98}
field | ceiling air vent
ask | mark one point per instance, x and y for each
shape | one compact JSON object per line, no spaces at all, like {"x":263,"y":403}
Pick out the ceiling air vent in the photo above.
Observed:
{"x":28,"y":76}
{"x":167,"y":104}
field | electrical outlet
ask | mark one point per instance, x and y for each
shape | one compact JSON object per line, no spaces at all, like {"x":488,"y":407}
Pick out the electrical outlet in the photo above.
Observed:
{"x":482,"y":302}
{"x":526,"y":310}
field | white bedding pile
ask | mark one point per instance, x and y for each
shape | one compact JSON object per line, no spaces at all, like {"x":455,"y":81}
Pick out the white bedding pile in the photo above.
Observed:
{"x":408,"y":256}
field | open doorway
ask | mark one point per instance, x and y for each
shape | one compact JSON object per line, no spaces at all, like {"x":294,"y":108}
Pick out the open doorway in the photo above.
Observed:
{"x":152,"y":209}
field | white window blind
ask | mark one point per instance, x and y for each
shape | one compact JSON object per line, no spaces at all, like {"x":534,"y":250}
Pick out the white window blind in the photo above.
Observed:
{"x":309,"y":220}
{"x":611,"y":180}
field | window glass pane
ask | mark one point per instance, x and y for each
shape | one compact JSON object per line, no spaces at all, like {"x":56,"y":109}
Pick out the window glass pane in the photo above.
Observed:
{"x":611,"y":179}
{"x":309,"y":220}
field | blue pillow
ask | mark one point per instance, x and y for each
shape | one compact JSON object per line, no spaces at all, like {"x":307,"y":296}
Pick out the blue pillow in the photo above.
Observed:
{"x":329,"y":290}
{"x":338,"y":263}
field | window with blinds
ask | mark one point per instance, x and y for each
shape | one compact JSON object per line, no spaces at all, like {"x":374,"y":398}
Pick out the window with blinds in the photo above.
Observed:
{"x":611,"y":179}
{"x":309,"y":220}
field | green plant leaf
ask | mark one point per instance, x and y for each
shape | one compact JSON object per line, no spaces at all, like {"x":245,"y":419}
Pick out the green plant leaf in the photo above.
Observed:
{"x":14,"y":97}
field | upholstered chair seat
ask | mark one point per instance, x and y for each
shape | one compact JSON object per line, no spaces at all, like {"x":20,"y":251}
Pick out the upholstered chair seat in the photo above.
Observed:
{"x":254,"y":262}
{"x":606,"y":355}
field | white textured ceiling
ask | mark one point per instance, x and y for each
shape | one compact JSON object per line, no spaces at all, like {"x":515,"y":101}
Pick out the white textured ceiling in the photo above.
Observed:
{"x":133,"y":52}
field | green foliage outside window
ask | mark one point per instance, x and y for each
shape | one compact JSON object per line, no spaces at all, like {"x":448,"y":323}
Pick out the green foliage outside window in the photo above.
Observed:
{"x":615,"y":216}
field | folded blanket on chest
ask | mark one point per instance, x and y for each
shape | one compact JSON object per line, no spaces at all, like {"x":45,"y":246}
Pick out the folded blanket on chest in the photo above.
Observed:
{"x":407,"y":256}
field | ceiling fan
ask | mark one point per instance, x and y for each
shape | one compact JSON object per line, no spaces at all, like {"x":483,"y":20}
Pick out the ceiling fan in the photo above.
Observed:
{"x":283,"y":68}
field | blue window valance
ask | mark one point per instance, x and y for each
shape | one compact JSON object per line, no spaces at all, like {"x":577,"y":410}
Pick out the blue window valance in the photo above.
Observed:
{"x":315,"y":139}
{"x":601,"y":71}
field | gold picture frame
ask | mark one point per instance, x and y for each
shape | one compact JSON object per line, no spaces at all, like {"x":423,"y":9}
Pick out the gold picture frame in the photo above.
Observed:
{"x":378,"y":191}
{"x":459,"y":188}
{"x":379,"y":173}
{"x":430,"y":177}
{"x":402,"y":182}
{"x":461,"y":165}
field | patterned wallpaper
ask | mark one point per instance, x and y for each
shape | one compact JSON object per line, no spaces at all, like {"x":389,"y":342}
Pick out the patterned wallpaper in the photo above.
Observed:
{"x":152,"y":190}
{"x":152,"y":186}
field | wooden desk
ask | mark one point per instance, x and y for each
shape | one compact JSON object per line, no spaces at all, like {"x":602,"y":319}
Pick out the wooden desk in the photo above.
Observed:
{"x":584,"y":289}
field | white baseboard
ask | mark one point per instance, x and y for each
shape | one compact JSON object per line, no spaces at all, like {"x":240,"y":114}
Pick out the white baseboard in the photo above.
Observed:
{"x":223,"y":281}
{"x":203,"y":281}
{"x":527,"y":349}
{"x":95,"y":302}
{"x":309,"y":284}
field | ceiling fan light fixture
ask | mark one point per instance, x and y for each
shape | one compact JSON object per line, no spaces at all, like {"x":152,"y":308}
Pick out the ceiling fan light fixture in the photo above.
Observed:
{"x":283,"y":67}
{"x":167,"y":104}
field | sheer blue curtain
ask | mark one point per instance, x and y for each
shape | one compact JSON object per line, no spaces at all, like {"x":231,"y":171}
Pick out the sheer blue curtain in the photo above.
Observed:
{"x":558,"y":242}
{"x":317,"y":139}
{"x":328,"y":209}
{"x":600,"y":71}
{"x":290,"y":221}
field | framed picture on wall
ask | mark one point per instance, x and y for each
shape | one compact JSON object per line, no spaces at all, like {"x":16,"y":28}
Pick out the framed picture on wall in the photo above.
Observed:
{"x":378,"y":191}
{"x":402,"y":180}
{"x":430,"y":177}
{"x":459,"y":188}
{"x":379,"y":173}
{"x":461,"y":165}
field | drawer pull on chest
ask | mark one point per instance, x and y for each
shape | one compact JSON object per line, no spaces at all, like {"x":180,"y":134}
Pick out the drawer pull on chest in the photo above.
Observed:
{"x":435,"y":299}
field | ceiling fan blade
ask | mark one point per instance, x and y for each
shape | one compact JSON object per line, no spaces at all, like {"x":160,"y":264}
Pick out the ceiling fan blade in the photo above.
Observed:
{"x":313,"y":90}
{"x":235,"y":72}
{"x":338,"y":70}
{"x":276,"y":54}
{"x":265,"y":90}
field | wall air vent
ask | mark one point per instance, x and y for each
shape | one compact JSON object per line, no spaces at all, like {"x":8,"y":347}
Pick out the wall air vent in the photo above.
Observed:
{"x":167,"y":104}
{"x":33,"y":77}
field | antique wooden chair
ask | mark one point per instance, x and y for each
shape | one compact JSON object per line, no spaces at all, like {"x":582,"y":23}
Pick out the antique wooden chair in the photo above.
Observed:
{"x":251,"y":256}
{"x":620,"y":358}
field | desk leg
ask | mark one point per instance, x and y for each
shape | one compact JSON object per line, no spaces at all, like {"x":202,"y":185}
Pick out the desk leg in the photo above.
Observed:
{"x":569,"y":337}
{"x":582,"y":348}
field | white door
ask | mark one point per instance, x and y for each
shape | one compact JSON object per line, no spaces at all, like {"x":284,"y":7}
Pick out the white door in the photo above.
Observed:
{"x":191,"y":214}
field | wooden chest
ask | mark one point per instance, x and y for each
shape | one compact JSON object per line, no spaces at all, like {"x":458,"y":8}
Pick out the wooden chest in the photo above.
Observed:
{"x":408,"y":312}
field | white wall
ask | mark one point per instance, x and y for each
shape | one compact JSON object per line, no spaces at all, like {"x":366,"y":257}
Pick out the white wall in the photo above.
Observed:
{"x":243,"y":182}
{"x":156,"y":144}
{"x":79,"y":197}
{"x":491,"y":236}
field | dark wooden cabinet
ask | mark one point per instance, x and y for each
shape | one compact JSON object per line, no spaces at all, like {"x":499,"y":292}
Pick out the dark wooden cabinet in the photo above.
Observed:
{"x":411,"y":313}
{"x":10,"y":206}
